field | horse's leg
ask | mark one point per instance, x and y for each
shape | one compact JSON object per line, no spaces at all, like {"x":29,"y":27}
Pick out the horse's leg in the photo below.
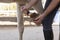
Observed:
{"x":20,"y":21}
{"x":38,"y":7}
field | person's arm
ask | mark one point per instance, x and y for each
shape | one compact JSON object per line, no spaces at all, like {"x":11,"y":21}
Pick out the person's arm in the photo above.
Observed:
{"x":28,"y":5}
{"x":31,"y":3}
{"x":52,"y":5}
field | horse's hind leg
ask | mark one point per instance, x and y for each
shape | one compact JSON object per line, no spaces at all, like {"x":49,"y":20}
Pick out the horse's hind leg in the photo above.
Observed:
{"x":20,"y":21}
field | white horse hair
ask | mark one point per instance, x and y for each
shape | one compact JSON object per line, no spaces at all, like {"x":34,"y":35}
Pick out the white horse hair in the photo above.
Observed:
{"x":38,"y":7}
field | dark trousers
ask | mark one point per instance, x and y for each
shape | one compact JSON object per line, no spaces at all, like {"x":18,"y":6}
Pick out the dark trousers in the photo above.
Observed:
{"x":47,"y":26}
{"x":48,"y":35}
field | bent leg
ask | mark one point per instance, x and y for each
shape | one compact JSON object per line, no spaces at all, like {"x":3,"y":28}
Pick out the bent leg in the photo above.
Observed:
{"x":38,"y":7}
{"x":47,"y":26}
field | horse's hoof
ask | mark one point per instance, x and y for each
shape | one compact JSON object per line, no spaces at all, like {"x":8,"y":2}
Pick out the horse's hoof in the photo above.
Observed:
{"x":33,"y":16}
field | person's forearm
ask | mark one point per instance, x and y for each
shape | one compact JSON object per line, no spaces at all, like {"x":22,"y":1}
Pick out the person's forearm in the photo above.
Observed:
{"x":31,"y":3}
{"x":52,"y":5}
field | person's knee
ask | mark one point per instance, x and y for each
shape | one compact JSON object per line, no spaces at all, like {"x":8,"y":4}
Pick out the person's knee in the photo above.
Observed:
{"x":47,"y":26}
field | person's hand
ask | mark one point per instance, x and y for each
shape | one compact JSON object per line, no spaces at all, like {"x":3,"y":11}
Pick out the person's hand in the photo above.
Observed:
{"x":24,"y":9}
{"x":39,"y":19}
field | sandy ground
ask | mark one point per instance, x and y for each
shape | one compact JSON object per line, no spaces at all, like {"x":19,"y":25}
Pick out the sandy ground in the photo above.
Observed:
{"x":30,"y":33}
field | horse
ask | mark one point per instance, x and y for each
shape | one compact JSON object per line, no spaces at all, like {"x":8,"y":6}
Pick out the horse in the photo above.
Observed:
{"x":38,"y":7}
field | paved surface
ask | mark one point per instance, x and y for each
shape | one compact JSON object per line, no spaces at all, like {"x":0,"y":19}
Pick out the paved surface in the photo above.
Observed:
{"x":30,"y":33}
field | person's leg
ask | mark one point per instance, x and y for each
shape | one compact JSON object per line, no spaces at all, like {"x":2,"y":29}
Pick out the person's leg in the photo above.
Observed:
{"x":48,"y":34}
{"x":47,"y":26}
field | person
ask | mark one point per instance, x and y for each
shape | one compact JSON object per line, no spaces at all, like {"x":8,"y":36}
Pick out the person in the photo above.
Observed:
{"x":46,"y":18}
{"x":51,"y":7}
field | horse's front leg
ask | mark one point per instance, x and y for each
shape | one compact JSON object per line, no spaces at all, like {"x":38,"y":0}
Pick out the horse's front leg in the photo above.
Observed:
{"x":20,"y":21}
